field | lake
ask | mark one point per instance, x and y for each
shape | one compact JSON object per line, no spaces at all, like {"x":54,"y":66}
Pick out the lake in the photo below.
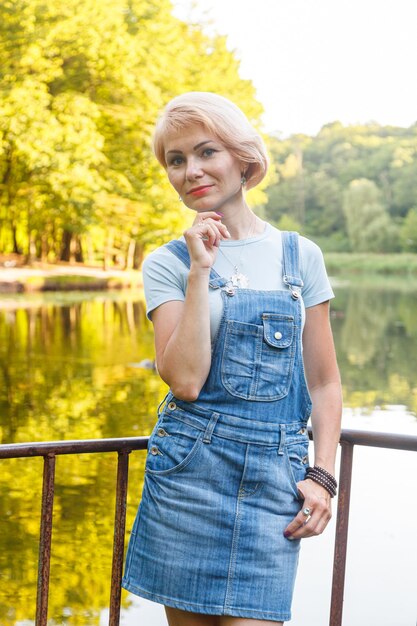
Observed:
{"x":77,"y":365}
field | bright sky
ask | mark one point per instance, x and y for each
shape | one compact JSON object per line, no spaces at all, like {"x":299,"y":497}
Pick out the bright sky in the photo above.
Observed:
{"x":317,"y":61}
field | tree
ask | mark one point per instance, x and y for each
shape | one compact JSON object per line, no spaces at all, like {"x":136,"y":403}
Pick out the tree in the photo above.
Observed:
{"x":408,"y":231}
{"x":336,"y":156}
{"x":82,"y":84}
{"x":368,"y":223}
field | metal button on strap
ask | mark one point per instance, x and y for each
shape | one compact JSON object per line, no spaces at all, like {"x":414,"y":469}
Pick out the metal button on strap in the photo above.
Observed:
{"x":162,"y":432}
{"x":305,"y":459}
{"x":301,"y":431}
{"x":295,"y":295}
{"x":278,"y":335}
{"x":154,"y":450}
{"x":172,"y":406}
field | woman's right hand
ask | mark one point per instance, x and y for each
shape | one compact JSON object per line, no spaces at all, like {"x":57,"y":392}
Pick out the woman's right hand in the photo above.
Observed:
{"x":203,"y":238}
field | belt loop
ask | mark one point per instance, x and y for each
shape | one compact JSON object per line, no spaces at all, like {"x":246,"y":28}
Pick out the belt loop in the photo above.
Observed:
{"x":163,"y":402}
{"x":281,"y":439}
{"x":210,"y":427}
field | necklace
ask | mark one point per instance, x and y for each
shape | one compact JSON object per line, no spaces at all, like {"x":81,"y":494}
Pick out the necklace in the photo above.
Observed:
{"x":238,"y":279}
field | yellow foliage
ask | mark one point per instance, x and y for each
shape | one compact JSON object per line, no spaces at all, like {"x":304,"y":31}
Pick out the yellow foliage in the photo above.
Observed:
{"x":83,"y":82}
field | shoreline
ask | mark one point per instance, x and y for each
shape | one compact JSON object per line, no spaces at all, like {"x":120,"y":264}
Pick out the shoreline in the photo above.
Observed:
{"x":18,"y":278}
{"x":39,"y":277}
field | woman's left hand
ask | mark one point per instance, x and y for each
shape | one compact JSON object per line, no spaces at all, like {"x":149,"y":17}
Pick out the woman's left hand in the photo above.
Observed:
{"x":315,"y":513}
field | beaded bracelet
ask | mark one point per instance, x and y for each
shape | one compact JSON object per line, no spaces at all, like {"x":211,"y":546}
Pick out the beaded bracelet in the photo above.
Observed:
{"x":323,"y":478}
{"x":323,"y":474}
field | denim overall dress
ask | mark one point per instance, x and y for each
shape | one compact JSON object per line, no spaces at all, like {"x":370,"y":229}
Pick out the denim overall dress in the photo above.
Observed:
{"x":221,"y":472}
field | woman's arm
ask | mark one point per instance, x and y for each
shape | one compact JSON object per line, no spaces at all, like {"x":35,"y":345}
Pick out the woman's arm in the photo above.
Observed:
{"x":182,"y":329}
{"x":323,"y":380}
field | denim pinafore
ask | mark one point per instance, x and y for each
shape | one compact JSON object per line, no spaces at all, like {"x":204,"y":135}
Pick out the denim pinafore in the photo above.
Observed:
{"x":221,"y":472}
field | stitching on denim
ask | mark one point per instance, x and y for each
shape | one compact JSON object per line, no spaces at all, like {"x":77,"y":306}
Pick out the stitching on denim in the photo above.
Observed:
{"x":235,"y":538}
{"x":258,"y":363}
{"x":183,"y":464}
{"x":216,"y":608}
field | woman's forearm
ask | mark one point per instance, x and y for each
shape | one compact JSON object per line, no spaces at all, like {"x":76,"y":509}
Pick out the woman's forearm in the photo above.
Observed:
{"x":326,"y":420}
{"x":185,"y":362}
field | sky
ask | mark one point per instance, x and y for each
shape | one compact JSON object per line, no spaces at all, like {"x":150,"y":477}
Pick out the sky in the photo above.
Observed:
{"x":317,"y":61}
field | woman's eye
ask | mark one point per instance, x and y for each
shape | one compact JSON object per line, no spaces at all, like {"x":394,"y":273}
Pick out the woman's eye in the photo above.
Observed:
{"x":208,"y":152}
{"x":176,"y":161}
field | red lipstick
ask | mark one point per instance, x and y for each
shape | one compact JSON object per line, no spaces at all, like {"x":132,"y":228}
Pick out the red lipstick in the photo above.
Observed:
{"x":199,"y":191}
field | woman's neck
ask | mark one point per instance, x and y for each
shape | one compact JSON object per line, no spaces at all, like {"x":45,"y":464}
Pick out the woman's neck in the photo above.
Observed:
{"x":243,"y":223}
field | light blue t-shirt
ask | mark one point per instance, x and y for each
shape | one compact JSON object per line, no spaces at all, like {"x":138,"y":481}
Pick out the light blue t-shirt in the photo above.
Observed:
{"x":258,"y":258}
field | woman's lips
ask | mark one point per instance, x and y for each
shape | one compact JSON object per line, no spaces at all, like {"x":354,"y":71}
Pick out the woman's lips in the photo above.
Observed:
{"x":199,"y":191}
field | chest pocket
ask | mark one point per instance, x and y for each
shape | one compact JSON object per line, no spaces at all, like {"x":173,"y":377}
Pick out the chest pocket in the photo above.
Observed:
{"x":258,"y":360}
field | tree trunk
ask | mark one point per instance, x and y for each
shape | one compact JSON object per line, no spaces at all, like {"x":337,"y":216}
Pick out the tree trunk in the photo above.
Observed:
{"x":44,"y":248}
{"x":78,"y":250}
{"x":130,"y":255}
{"x":16,"y":248}
{"x":138,"y":255}
{"x":31,"y":253}
{"x":89,"y":249}
{"x":65,"y":254}
{"x":108,"y":249}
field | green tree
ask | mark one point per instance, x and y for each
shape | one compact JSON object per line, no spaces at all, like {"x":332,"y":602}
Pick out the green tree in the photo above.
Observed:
{"x":82,"y":84}
{"x":408,"y":231}
{"x":336,"y":156}
{"x":368,"y":223}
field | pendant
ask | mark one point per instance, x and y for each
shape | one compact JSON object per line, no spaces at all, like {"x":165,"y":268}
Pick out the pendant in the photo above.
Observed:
{"x":239,"y":280}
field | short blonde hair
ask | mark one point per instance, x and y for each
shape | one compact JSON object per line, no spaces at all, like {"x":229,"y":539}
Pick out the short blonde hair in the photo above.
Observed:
{"x":224,"y":120}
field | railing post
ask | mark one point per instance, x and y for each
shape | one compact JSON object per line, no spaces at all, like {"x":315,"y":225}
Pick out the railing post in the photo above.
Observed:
{"x":342,"y":525}
{"x":119,"y":536}
{"x":45,"y":540}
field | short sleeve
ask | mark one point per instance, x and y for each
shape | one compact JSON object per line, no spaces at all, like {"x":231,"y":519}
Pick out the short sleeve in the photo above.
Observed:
{"x":317,"y":286}
{"x":164,"y":279}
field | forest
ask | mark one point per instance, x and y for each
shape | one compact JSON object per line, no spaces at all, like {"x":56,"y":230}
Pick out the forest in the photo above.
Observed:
{"x":82,"y":83}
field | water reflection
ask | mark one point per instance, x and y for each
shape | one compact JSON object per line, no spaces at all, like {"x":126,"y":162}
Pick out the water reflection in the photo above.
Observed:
{"x":375,"y":332}
{"x":69,"y":370}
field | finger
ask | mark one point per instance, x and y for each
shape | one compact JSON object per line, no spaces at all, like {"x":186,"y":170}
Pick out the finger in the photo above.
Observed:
{"x":309,"y":525}
{"x":224,"y":233}
{"x":312,"y":527}
{"x":218,"y":228}
{"x":301,"y":520}
{"x":207,"y":214}
{"x":209,"y":234}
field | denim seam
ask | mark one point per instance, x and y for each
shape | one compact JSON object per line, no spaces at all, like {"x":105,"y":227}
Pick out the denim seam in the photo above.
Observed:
{"x":291,"y":476}
{"x":180,"y":466}
{"x":258,"y":355}
{"x":235,"y":538}
{"x":217,"y":609}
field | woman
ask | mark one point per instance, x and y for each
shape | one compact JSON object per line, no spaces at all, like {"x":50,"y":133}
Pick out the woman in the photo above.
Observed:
{"x":240,"y":314}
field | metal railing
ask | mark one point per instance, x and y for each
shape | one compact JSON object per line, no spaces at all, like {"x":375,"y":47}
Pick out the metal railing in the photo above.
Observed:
{"x":123,"y":447}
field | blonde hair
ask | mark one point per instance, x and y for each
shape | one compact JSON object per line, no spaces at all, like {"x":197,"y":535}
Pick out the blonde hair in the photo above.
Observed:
{"x":221,"y":118}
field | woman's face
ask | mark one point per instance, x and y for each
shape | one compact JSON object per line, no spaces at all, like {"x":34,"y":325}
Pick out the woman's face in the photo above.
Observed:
{"x":203,"y":172}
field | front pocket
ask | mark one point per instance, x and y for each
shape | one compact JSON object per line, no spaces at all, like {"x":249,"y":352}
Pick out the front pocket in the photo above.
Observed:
{"x":296,"y":450}
{"x":172,"y":446}
{"x":258,"y":360}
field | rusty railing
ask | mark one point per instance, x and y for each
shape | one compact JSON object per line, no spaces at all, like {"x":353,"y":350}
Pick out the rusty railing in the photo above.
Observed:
{"x":123,"y":447}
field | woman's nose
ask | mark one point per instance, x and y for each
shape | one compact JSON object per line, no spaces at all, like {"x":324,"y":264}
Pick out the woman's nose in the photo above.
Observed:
{"x":194,"y":169}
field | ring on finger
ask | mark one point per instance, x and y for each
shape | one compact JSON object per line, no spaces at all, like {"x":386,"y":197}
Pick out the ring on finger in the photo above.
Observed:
{"x":307,"y":511}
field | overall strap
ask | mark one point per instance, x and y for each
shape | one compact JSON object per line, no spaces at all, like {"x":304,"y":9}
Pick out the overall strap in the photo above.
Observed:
{"x":291,"y":261}
{"x":180,"y":250}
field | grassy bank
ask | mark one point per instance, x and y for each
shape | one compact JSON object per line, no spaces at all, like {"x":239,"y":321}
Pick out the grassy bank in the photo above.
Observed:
{"x":345,"y":264}
{"x":67,"y":278}
{"x":23,"y":280}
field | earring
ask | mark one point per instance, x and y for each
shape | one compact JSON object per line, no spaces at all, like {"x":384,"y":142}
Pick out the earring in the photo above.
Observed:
{"x":243,"y":180}
{"x":179,"y":198}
